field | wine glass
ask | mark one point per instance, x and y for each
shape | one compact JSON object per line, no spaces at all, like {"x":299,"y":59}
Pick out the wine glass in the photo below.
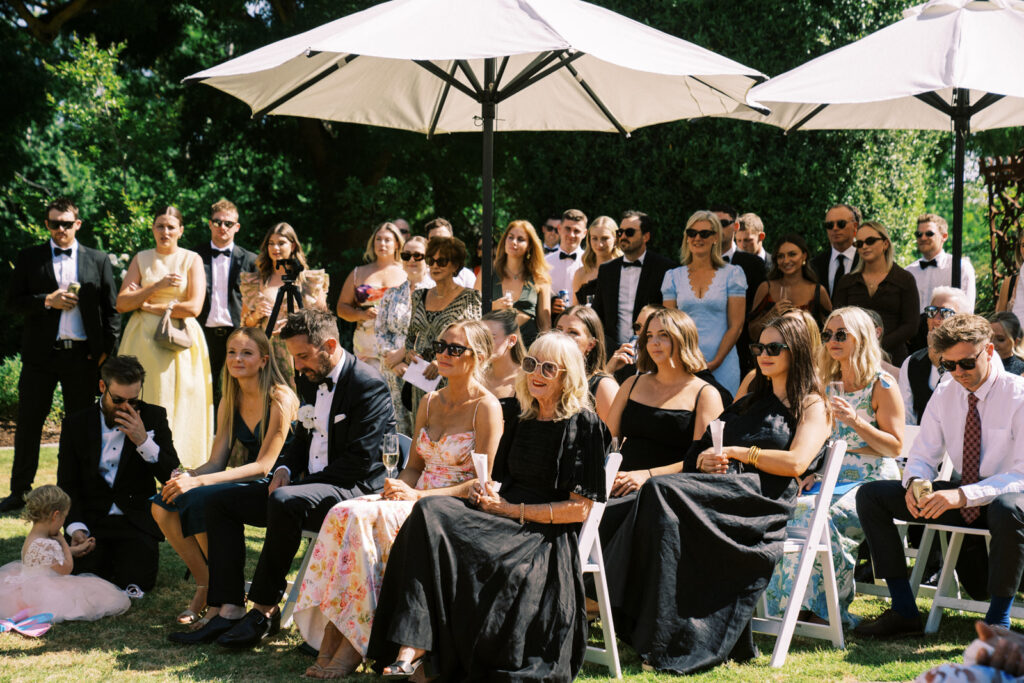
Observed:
{"x":835,"y":388}
{"x":390,"y":450}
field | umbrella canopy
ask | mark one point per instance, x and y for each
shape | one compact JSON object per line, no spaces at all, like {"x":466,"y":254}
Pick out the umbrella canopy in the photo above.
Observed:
{"x":445,"y":66}
{"x":947,"y":64}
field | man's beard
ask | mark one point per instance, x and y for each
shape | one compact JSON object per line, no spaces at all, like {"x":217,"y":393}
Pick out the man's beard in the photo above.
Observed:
{"x":322,"y":371}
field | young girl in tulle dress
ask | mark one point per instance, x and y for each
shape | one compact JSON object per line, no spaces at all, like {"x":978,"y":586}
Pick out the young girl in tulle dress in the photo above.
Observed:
{"x":41,"y":581}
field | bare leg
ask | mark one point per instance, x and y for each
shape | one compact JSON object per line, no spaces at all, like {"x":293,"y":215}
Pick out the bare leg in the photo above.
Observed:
{"x":188,"y":550}
{"x":204,"y":543}
{"x":346,"y":659}
{"x":328,"y":645}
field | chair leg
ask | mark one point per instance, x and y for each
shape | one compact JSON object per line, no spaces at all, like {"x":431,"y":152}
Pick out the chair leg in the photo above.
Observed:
{"x":917,"y":575}
{"x":296,"y":587}
{"x":610,"y":655}
{"x":835,"y":619}
{"x":796,"y":599}
{"x":946,"y":579}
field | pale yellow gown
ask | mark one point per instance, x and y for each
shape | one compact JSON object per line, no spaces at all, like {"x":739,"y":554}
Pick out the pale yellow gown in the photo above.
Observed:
{"x":178,"y":381}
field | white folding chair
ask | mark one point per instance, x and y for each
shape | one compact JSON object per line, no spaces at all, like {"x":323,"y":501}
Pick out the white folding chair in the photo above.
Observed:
{"x":816,"y":544}
{"x":592,"y":562}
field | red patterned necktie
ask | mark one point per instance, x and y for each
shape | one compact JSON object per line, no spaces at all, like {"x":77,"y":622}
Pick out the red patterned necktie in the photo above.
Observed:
{"x":972,"y":453}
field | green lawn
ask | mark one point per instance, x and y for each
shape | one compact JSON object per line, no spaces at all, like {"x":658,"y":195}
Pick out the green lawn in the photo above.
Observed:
{"x":134,"y":646}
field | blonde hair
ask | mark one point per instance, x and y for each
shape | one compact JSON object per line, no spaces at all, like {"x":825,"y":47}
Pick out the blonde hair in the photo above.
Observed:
{"x":273,"y":385}
{"x":479,"y":341}
{"x":369,"y":255}
{"x":866,"y":353}
{"x":42,"y":502}
{"x":223,"y":205}
{"x":882,"y":232}
{"x":589,"y":255}
{"x":685,"y":347}
{"x":533,"y":263}
{"x":562,"y":350}
{"x":685,"y":257}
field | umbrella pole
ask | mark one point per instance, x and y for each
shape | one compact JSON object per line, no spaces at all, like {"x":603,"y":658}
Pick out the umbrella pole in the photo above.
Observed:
{"x":487,"y":226}
{"x":961,"y":106}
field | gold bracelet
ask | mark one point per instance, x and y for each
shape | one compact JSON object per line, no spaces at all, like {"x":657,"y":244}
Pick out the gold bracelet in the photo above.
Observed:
{"x":752,"y":455}
{"x":522,"y":512}
{"x":551,"y":514}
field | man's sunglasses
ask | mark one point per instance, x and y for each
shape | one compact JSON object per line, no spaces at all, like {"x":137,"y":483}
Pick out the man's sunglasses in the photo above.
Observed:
{"x":928,"y":233}
{"x":224,"y":224}
{"x":406,"y":255}
{"x":60,"y":225}
{"x":932,"y":311}
{"x":771,"y":348}
{"x":453,"y":350}
{"x":726,"y":222}
{"x":550,"y":228}
{"x":637,"y":327}
{"x":840,"y":336}
{"x":836,"y":225}
{"x":703,"y":234}
{"x":441,"y":262}
{"x":868,"y":242}
{"x":628,"y":232}
{"x":965,"y":363}
{"x":120,"y":400}
{"x":548,"y":370}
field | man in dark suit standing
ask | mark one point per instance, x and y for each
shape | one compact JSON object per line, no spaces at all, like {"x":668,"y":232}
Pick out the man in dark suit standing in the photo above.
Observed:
{"x":110,"y":455}
{"x":335,"y":455}
{"x":841,"y":223}
{"x":630,"y":282}
{"x":754,"y":270}
{"x":223,"y":260}
{"x":65,"y":292}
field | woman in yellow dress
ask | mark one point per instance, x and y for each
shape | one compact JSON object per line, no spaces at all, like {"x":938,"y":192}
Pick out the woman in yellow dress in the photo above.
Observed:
{"x":178,"y":381}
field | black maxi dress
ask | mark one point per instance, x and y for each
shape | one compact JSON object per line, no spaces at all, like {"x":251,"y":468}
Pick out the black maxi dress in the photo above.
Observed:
{"x":689,"y":564}
{"x":490,"y":599}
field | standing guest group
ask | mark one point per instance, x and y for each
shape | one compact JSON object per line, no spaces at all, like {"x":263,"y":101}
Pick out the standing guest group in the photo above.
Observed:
{"x":447,"y":459}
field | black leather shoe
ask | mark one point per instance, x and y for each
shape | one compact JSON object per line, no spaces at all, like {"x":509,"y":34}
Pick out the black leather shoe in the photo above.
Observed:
{"x":12,"y":503}
{"x":307,"y":649}
{"x":217,"y":627}
{"x":891,"y":624}
{"x":254,"y":627}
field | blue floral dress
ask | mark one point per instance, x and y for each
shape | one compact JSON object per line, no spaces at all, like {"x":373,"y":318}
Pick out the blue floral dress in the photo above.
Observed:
{"x":390,"y":326}
{"x":844,"y":525}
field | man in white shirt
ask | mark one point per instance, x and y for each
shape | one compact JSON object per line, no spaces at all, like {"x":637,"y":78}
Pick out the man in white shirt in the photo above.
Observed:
{"x":440,"y":227}
{"x":935,"y":267}
{"x":978,"y":420}
{"x":841,"y":223}
{"x":567,"y":260}
{"x":750,"y":237}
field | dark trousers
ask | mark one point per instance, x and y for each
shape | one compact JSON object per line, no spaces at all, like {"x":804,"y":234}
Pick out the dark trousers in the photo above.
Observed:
{"x":124,"y":554}
{"x":880,"y":502}
{"x":79,"y":379}
{"x":284,"y":513}
{"x":217,"y":344}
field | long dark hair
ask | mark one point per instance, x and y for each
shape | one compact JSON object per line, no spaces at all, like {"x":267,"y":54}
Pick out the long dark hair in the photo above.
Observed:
{"x":806,"y":271}
{"x":802,"y":378}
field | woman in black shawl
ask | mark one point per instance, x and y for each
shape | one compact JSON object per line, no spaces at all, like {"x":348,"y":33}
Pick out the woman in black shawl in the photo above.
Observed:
{"x":692,"y":560}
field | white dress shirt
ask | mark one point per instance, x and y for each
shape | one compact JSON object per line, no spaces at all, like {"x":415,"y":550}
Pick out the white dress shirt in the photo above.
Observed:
{"x":629,"y":280}
{"x":65,"y":269}
{"x":563,"y":270}
{"x":934,"y":378}
{"x":466,"y":278}
{"x":941,"y":275}
{"x":833,"y":263}
{"x":727,"y":255}
{"x":1001,"y":408}
{"x":220,"y":269}
{"x":319,"y":445}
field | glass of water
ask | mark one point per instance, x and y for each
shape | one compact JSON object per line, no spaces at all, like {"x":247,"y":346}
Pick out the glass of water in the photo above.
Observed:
{"x":390,"y":450}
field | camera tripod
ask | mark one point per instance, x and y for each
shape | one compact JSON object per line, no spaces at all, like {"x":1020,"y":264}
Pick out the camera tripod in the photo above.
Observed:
{"x":289,"y":295}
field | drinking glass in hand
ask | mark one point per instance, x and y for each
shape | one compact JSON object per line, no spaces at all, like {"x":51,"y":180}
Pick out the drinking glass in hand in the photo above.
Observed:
{"x":390,"y":449}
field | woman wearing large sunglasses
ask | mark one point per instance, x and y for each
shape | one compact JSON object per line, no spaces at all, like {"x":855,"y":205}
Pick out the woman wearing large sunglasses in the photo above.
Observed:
{"x":878,"y":284}
{"x":868,"y":412}
{"x":490,"y":588}
{"x":688,"y":567}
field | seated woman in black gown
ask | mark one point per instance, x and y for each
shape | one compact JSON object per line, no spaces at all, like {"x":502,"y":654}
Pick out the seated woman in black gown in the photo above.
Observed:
{"x":689,"y":564}
{"x":256,"y":411}
{"x":659,"y":413}
{"x":585,"y":328}
{"x":491,"y":589}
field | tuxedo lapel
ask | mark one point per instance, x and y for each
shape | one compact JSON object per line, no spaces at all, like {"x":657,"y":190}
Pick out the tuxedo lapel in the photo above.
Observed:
{"x":339,"y":401}
{"x":611,"y":291}
{"x":646,"y":273}
{"x":46,"y":265}
{"x":93,"y":442}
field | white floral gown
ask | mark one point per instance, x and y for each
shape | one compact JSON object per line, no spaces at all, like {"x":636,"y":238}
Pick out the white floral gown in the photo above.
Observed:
{"x":345,"y":573}
{"x":844,"y":524}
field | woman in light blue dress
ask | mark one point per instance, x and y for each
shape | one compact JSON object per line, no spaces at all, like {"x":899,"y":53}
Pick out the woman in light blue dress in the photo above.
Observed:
{"x":712,"y":293}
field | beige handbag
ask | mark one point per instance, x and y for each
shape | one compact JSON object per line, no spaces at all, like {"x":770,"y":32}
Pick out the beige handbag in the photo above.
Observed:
{"x":170,"y":333}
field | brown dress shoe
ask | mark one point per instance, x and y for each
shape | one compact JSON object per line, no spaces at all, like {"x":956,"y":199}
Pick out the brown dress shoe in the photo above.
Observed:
{"x":891,"y":624}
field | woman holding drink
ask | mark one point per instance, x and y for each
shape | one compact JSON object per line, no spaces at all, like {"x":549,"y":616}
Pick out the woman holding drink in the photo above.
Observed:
{"x":521,"y":280}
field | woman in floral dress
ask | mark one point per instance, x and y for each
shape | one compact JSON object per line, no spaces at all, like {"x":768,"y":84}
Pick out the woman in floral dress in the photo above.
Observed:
{"x":869,"y":415}
{"x":339,"y":594}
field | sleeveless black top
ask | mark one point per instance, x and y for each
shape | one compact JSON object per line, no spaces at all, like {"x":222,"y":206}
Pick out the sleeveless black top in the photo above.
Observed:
{"x":655,"y":436}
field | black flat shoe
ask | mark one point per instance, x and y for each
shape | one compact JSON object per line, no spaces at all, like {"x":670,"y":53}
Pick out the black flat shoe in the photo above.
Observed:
{"x":251,"y":629}
{"x":12,"y":503}
{"x":216,"y":627}
{"x":891,"y":624}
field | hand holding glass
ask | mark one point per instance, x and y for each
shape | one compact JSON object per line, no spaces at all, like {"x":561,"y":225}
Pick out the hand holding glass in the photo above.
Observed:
{"x":390,"y":449}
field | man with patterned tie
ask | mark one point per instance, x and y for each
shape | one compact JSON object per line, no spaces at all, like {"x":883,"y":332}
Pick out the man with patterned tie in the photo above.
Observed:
{"x":978,"y":420}
{"x":65,"y":292}
{"x":841,"y":223}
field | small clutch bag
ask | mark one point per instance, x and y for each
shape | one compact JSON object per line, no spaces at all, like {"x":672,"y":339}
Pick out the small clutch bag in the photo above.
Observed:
{"x":170,"y":333}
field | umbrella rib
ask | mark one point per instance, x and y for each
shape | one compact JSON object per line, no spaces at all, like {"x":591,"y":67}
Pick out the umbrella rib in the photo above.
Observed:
{"x":440,"y":104}
{"x":987,"y":100}
{"x":814,"y":112}
{"x":932,"y":99}
{"x":541,"y":61}
{"x":467,"y":70}
{"x":511,"y":89}
{"x":501,"y":71}
{"x":303,"y":87}
{"x":567,"y":63}
{"x":450,"y":80}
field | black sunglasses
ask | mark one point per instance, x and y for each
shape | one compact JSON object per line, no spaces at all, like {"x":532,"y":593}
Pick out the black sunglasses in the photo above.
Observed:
{"x":406,"y":255}
{"x":548,"y":370}
{"x":836,"y":225}
{"x":224,"y":224}
{"x":932,"y":311}
{"x":726,"y":222}
{"x":771,"y":348}
{"x":920,"y":234}
{"x":628,"y":232}
{"x":120,"y":400}
{"x":62,"y":225}
{"x":441,"y":262}
{"x":703,"y":234}
{"x":550,"y":228}
{"x":637,"y":327}
{"x":840,"y":335}
{"x":868,"y":242}
{"x":965,"y":363}
{"x":453,"y":350}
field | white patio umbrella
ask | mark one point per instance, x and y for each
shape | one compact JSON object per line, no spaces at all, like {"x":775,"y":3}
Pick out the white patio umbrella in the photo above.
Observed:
{"x":445,"y":66}
{"x":948,"y":64}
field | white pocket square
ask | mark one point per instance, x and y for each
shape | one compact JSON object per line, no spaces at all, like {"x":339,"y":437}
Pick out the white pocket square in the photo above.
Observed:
{"x":339,"y":418}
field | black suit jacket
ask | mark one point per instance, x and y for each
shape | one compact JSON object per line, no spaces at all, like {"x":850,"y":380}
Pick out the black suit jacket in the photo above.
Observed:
{"x":361,"y":414}
{"x":753,"y":269}
{"x":33,"y":279}
{"x":78,"y":469}
{"x":648,"y":291}
{"x":242,"y":261}
{"x":820,"y":265}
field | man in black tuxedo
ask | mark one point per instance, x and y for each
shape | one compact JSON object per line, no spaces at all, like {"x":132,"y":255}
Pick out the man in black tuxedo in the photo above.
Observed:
{"x":223,"y":260}
{"x":630,"y":282}
{"x":754,"y":270}
{"x":67,"y":335}
{"x":841,"y":223}
{"x":110,"y":455}
{"x":335,"y":455}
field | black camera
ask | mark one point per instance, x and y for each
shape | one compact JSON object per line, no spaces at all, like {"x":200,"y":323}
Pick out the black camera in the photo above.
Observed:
{"x":291,"y":269}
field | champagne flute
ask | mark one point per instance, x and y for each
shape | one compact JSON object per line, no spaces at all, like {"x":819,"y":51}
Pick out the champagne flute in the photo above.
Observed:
{"x":835,"y":388}
{"x":390,"y":450}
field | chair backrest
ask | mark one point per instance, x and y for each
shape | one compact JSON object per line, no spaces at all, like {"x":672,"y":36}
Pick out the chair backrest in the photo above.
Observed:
{"x":823,"y":500}
{"x":588,"y":534}
{"x":404,"y":445}
{"x":910,"y":433}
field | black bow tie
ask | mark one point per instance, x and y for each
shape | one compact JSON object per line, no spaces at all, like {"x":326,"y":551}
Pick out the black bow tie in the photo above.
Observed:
{"x":550,"y":250}
{"x":220,"y":252}
{"x":571,"y":257}
{"x":727,"y":259}
{"x":327,"y":382}
{"x":927,"y":264}
{"x":58,"y":252}
{"x":631,"y":264}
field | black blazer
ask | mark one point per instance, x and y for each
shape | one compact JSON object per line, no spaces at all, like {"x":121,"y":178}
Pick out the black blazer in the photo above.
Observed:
{"x":753,"y":269}
{"x":33,"y":279}
{"x":78,"y":471}
{"x":820,"y":266}
{"x":648,"y":291}
{"x":361,"y":414}
{"x":242,"y":261}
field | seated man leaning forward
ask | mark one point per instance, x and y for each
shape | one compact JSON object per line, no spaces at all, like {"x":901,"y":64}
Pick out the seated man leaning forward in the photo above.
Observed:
{"x":111,"y":455}
{"x":977,"y":419}
{"x":335,"y":455}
